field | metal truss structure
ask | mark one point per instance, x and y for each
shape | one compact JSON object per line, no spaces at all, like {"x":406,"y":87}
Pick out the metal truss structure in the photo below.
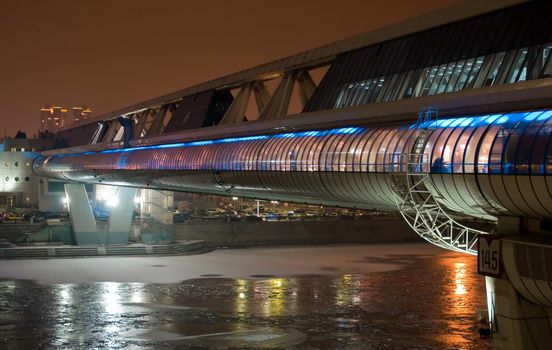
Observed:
{"x":421,"y":209}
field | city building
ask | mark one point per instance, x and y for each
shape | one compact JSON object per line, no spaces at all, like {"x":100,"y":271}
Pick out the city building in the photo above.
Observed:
{"x":54,"y":118}
{"x":81,"y":113}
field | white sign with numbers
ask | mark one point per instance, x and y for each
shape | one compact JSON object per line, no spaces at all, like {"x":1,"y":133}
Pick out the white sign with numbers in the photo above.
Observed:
{"x":489,"y":256}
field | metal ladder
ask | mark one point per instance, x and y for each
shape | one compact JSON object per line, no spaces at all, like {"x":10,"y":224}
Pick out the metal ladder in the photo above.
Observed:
{"x":420,"y":207}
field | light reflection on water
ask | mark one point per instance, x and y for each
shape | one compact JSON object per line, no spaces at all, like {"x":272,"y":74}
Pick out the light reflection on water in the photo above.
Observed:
{"x":431,"y":303}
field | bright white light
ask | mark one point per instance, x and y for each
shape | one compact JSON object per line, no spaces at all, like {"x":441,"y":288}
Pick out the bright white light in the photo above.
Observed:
{"x":112,"y":202}
{"x":234,"y":198}
{"x":137,"y":200}
{"x":107,"y":194}
{"x":65,"y":200}
{"x":274,"y":202}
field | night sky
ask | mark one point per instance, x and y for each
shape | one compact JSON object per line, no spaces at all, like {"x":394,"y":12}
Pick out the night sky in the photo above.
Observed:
{"x":108,"y":54}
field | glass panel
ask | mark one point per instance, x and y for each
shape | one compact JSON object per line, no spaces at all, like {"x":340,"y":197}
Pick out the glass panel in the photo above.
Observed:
{"x":402,"y":85}
{"x":354,"y":151}
{"x":381,"y":159}
{"x":344,"y":165}
{"x":238,"y":162}
{"x":425,"y":81}
{"x":441,"y":155}
{"x":484,"y":72}
{"x":341,"y":97}
{"x":533,"y":64}
{"x":388,"y":84}
{"x":378,"y":87}
{"x":450,"y":149}
{"x":415,"y":78}
{"x":292,"y":156}
{"x":351,"y":94}
{"x":518,"y":62}
{"x":455,"y":76}
{"x":481,"y":127}
{"x":372,"y":159}
{"x":458,"y":164}
{"x":522,"y":160}
{"x":326,"y":154}
{"x":539,"y":147}
{"x":365,"y":157}
{"x":436,"y":81}
{"x":336,"y":152}
{"x":391,"y":157}
{"x":316,"y":153}
{"x":361,"y":156}
{"x":270,"y":152}
{"x":505,"y":67}
{"x":495,"y":67}
{"x":464,"y":75}
{"x":359,"y":91}
{"x":446,"y":78}
{"x":547,"y":62}
{"x":300,"y":154}
{"x":474,"y":72}
{"x":501,"y":157}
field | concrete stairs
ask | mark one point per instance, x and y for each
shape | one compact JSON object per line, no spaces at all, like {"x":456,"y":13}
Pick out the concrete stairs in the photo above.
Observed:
{"x":48,"y":251}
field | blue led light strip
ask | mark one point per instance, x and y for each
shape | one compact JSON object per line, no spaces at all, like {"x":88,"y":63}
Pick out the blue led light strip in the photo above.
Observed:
{"x":475,"y":121}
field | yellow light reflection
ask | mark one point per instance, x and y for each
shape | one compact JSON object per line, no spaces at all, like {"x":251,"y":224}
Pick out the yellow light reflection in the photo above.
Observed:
{"x":346,"y":291}
{"x":460,"y":278}
{"x":273,"y":300}
{"x":241,"y":301}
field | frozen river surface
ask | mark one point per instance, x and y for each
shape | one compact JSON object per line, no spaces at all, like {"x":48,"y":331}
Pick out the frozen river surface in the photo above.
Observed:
{"x":400,"y":296}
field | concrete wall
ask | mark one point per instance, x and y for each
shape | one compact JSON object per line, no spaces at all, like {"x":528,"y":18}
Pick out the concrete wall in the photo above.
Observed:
{"x":239,"y":234}
{"x":11,"y":232}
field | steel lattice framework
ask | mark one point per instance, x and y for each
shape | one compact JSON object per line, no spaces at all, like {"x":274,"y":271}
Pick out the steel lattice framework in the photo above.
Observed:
{"x":421,"y":209}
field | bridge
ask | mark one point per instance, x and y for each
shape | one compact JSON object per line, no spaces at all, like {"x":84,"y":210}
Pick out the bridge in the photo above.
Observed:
{"x":442,"y":118}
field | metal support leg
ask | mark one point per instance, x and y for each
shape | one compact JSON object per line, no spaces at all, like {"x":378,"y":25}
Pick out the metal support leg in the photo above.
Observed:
{"x":120,"y":219}
{"x":306,"y":86}
{"x":278,"y":105}
{"x":82,"y":218}
{"x":236,"y":111}
{"x":157,"y":123}
{"x":262,"y":96}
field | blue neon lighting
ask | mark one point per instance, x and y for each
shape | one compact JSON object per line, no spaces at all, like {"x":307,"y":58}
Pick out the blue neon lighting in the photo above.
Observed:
{"x":471,"y":121}
{"x":532,"y":116}
{"x":544,"y":116}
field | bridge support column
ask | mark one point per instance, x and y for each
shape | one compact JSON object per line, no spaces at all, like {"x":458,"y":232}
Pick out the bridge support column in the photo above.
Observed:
{"x":157,"y":217}
{"x":120,"y":219}
{"x":520,"y":307}
{"x":84,"y":226}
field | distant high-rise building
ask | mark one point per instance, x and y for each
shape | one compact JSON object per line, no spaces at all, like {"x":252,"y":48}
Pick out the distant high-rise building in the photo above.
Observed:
{"x":52,"y":118}
{"x":81,"y":113}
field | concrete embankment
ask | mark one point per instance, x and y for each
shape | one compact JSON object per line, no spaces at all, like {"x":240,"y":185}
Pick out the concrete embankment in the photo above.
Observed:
{"x":242,"y":234}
